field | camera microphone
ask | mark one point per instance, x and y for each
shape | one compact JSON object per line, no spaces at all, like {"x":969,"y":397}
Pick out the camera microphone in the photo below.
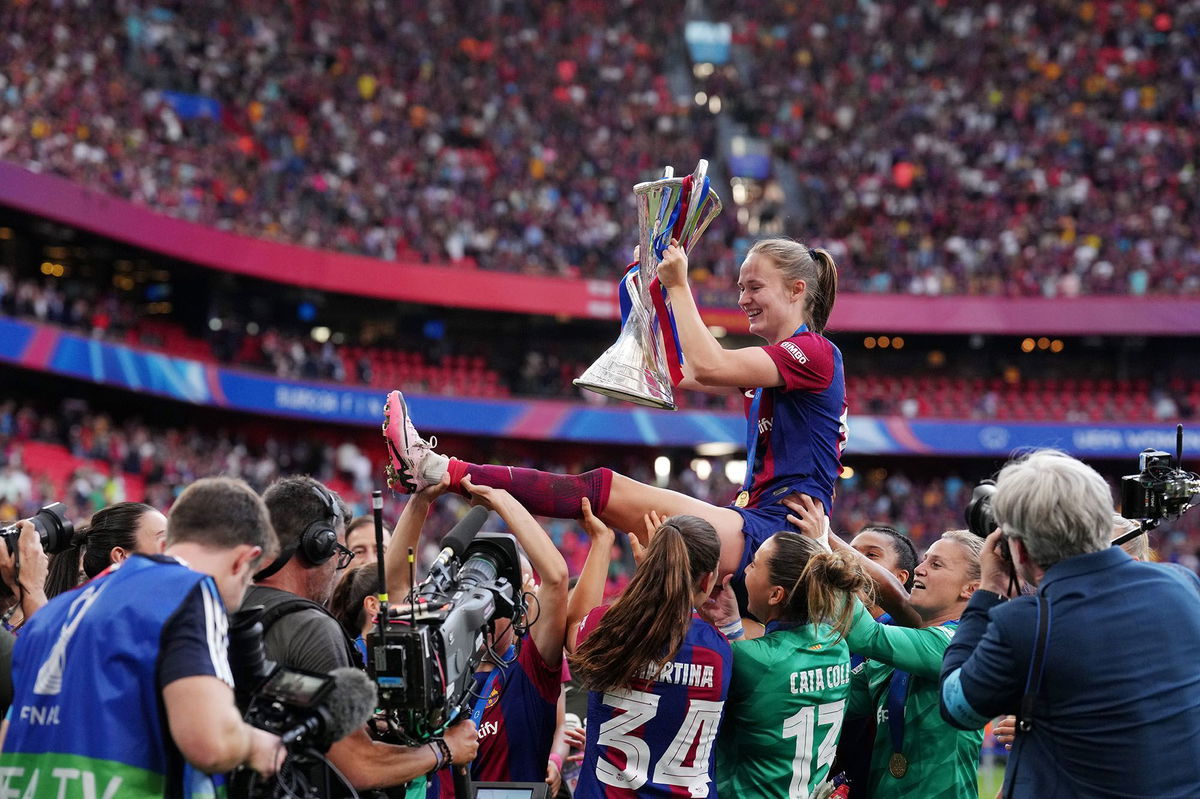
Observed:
{"x":349,"y":704}
{"x":460,"y":536}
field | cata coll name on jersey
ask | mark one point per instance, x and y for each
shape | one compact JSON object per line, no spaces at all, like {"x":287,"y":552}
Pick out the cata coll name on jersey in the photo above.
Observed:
{"x":802,"y":682}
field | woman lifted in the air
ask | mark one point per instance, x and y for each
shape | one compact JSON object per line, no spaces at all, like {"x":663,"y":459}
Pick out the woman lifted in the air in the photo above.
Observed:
{"x":795,"y":400}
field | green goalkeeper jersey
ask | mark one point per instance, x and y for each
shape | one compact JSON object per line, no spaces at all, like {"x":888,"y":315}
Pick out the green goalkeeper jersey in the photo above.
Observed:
{"x":942,"y":762}
{"x":787,"y":699}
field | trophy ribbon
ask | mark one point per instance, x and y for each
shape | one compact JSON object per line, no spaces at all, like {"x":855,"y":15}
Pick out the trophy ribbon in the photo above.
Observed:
{"x":682,"y":214}
{"x":646,"y":361}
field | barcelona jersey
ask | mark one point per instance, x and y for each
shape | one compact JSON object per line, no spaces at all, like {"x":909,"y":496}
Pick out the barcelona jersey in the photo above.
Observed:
{"x":801,"y":425}
{"x":655,"y":738}
{"x":516,"y":729}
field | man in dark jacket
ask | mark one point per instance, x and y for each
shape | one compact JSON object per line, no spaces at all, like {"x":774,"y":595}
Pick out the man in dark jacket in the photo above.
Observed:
{"x":1099,"y":665}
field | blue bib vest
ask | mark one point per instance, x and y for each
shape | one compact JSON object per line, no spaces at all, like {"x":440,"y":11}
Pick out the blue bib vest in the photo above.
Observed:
{"x":87,"y":718}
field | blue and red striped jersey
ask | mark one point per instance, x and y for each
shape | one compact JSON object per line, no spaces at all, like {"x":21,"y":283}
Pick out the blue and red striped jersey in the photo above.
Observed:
{"x":655,"y":738}
{"x":516,"y":730}
{"x":801,"y":424}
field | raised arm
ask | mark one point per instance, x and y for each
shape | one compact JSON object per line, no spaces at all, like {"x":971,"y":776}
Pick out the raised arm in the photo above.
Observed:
{"x":407,"y":535}
{"x":706,"y":361}
{"x":549,"y":631}
{"x":809,"y":518}
{"x":919,"y":652}
{"x":589,"y":589}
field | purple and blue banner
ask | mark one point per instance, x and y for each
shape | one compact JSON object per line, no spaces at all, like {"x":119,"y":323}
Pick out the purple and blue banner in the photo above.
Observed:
{"x":50,"y":349}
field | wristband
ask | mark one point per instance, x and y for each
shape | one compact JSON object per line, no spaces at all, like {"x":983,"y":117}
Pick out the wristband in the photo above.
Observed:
{"x":437,"y":757}
{"x":556,"y":759}
{"x":733,"y":630}
{"x":447,"y":758}
{"x":823,"y":541}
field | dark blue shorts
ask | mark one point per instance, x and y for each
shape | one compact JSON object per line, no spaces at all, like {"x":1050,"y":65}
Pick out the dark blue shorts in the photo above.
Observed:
{"x":759,"y":524}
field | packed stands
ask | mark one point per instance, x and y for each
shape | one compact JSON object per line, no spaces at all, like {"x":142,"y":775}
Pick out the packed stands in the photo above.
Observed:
{"x":379,"y":128}
{"x":1016,"y":149}
{"x":89,"y":457}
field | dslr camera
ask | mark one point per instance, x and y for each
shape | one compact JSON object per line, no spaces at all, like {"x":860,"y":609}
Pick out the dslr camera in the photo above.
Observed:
{"x":52,"y":525}
{"x":980,"y":519}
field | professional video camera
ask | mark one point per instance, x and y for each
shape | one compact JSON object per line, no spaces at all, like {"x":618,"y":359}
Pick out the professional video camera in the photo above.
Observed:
{"x":308,"y":711}
{"x":424,"y":657}
{"x":52,"y":525}
{"x":1161,"y":489}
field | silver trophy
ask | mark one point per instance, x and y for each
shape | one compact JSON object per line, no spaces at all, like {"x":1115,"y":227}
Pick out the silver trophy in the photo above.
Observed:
{"x":635,"y":368}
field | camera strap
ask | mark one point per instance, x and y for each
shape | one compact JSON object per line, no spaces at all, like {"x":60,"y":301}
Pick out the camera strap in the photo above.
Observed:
{"x":1033,"y":684}
{"x":292,"y":604}
{"x":1033,"y":681}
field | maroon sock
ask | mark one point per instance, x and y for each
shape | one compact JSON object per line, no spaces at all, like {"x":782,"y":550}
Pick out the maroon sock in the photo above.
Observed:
{"x":542,"y":493}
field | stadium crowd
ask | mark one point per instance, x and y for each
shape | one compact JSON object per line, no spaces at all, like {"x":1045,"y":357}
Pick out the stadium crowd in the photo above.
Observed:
{"x":754,"y":649}
{"x":1054,"y":156}
{"x":546,"y":369}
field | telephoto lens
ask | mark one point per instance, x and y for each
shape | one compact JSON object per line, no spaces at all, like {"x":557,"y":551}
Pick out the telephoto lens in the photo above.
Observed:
{"x":52,"y":525}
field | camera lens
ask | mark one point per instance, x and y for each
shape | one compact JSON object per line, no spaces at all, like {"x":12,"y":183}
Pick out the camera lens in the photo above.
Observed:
{"x":979,"y":518}
{"x":481,"y":567}
{"x":54,"y":527}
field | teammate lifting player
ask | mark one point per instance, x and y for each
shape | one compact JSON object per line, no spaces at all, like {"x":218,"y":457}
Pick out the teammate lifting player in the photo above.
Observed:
{"x":794,"y":400}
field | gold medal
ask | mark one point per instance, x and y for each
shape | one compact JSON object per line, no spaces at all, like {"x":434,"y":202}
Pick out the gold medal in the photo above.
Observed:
{"x":743,"y":499}
{"x":898,"y":765}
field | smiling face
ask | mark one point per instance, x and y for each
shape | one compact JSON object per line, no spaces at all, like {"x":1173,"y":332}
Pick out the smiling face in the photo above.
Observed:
{"x":943,"y":583}
{"x":774,"y":308}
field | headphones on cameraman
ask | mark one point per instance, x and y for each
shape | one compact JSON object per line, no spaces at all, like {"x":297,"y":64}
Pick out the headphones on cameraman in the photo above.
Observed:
{"x":317,"y":543}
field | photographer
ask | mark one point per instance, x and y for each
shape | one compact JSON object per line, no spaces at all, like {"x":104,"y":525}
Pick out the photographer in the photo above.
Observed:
{"x":114,"y":533}
{"x":1098,"y":715}
{"x":24,"y":573}
{"x":163,"y":717}
{"x":300,"y":633}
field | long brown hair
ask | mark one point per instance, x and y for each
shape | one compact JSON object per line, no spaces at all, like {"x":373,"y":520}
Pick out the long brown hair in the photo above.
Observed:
{"x":647,"y":623}
{"x":819,"y":583}
{"x":814,"y":266}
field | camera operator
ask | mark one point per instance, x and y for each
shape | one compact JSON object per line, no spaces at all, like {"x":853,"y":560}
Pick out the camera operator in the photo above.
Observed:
{"x":518,"y":712}
{"x":300,"y":632}
{"x":163,"y":717}
{"x":1099,"y":665}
